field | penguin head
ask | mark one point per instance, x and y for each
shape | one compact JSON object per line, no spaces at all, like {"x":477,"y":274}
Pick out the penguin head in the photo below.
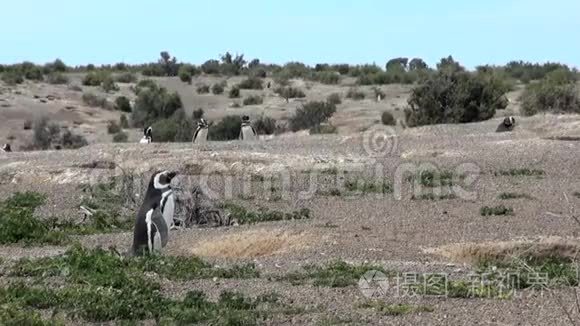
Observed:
{"x":509,"y":121}
{"x":245,"y":118}
{"x":147,"y":132}
{"x":6,"y":148}
{"x":202,"y":123}
{"x":162,"y":179}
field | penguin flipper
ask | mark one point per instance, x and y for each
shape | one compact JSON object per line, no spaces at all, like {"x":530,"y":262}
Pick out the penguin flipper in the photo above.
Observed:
{"x":161,"y":226}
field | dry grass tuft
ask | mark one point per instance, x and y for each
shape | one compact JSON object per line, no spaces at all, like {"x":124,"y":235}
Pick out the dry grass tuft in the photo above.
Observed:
{"x":249,"y":244}
{"x":505,"y":251}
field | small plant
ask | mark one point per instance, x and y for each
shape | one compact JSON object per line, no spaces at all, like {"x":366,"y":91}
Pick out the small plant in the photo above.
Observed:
{"x":217,"y":89}
{"x":334,"y":98}
{"x":113,"y":127}
{"x":93,"y":100}
{"x":123,"y":104}
{"x":522,"y":172}
{"x":355,"y":94}
{"x":120,"y":137}
{"x":57,"y":78}
{"x":495,"y":211}
{"x":234,"y":92}
{"x":126,"y":78}
{"x":265,"y":125}
{"x":388,"y":119}
{"x":109,"y":85}
{"x":395,"y":309}
{"x":431,"y":196}
{"x":287,"y":92}
{"x":335,"y":274}
{"x":251,"y":83}
{"x":27,"y":125}
{"x":311,"y":115}
{"x":513,"y":195}
{"x":12,"y":77}
{"x":123,"y":121}
{"x":227,"y":129}
{"x":428,"y":178}
{"x":202,"y":89}
{"x":323,"y":129}
{"x":253,"y":100}
{"x":243,"y":216}
{"x":368,"y":186}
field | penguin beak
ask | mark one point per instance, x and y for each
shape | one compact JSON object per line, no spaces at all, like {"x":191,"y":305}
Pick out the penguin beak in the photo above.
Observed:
{"x":171,"y":175}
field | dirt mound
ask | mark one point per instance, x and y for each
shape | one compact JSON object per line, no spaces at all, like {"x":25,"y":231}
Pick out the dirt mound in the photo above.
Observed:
{"x":249,"y":244}
{"x":508,"y":250}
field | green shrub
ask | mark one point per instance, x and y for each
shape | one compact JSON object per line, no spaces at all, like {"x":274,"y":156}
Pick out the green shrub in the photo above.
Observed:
{"x":323,"y":129}
{"x":251,"y":83}
{"x":453,"y":95}
{"x":334,"y":98}
{"x":388,"y":119}
{"x":71,"y":141}
{"x":123,"y":104}
{"x":45,"y":133}
{"x":93,"y":100}
{"x":123,"y":121}
{"x":287,"y":92}
{"x":177,"y":128}
{"x":95,"y":78}
{"x":202,"y":89}
{"x":217,"y":89}
{"x":227,"y":129}
{"x":12,"y":77}
{"x":497,"y":210}
{"x":57,"y":78}
{"x":126,"y":78}
{"x":211,"y":67}
{"x":19,"y":225}
{"x":185,"y":74}
{"x":33,"y":73}
{"x":113,"y":127}
{"x":154,"y":103}
{"x":311,"y":115}
{"x":557,"y":93}
{"x":109,"y":85}
{"x":355,"y":94}
{"x":265,"y":125}
{"x":120,"y":137}
{"x":327,"y":77}
{"x":234,"y":92}
{"x":253,"y":100}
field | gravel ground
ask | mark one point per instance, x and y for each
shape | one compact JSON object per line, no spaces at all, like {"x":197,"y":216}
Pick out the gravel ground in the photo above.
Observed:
{"x":391,"y":229}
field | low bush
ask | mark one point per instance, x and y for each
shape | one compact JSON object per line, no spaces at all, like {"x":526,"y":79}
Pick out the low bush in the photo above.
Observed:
{"x":202,"y":89}
{"x":217,"y":89}
{"x":154,"y":103}
{"x":327,"y":77}
{"x":251,"y":83}
{"x":253,"y":100}
{"x":123,"y":104}
{"x":12,"y":77}
{"x":126,"y":78}
{"x":227,"y":129}
{"x":123,"y":121}
{"x":57,"y":78}
{"x":198,"y":114}
{"x":93,"y":100}
{"x":388,"y":119}
{"x":556,"y":93}
{"x":265,"y":125}
{"x":322,"y":129}
{"x":355,"y":94}
{"x":287,"y":92}
{"x":120,"y":137}
{"x":113,"y":127}
{"x":334,"y":98}
{"x":109,"y":85}
{"x":234,"y":92}
{"x":311,"y":115}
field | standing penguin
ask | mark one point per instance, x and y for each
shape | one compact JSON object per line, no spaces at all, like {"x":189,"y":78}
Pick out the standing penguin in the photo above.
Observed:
{"x":247,"y":132}
{"x":200,"y":134}
{"x":147,"y":136}
{"x":153,"y":219}
{"x":6,"y":148}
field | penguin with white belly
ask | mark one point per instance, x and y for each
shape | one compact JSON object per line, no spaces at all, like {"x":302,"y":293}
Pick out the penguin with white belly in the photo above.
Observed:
{"x":247,"y":131}
{"x":155,"y":217}
{"x":200,"y":135}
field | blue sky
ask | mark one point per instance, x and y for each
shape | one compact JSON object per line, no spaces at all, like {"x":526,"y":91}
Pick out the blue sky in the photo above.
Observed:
{"x":277,"y":31}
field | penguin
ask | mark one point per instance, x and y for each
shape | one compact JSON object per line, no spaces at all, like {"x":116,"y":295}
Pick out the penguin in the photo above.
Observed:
{"x":508,"y":124}
{"x":247,"y":132}
{"x":6,"y":148}
{"x":153,"y":221}
{"x":200,"y":134}
{"x":147,"y":136}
